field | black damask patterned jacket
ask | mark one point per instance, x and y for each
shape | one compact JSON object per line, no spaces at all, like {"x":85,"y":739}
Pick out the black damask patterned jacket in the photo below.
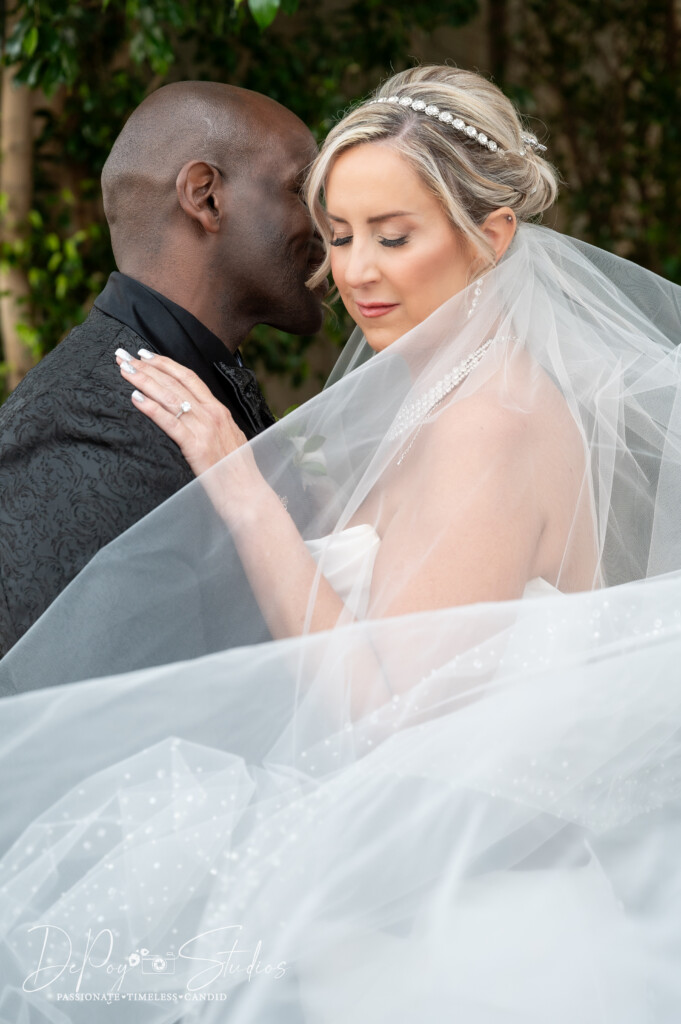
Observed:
{"x":78,"y":466}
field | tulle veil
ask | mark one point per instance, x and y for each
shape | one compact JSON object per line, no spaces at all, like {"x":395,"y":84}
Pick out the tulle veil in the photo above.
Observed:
{"x":471,"y":811}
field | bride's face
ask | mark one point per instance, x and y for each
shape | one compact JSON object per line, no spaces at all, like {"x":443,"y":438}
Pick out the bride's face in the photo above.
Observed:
{"x":395,"y":255}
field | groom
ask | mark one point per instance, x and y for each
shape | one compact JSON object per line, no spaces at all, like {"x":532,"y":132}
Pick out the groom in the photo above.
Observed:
{"x":210,"y":237}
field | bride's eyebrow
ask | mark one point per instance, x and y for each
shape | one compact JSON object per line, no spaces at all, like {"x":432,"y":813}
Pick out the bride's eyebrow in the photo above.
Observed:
{"x":388,"y":216}
{"x":373,"y":220}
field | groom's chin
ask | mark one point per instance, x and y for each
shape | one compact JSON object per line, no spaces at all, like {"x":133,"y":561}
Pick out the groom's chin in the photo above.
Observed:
{"x":310,"y":318}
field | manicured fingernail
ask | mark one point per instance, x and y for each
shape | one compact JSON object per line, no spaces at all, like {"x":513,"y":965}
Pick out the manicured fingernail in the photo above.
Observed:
{"x":138,"y":396}
{"x":128,"y":367}
{"x":144,"y":353}
{"x":122,"y":354}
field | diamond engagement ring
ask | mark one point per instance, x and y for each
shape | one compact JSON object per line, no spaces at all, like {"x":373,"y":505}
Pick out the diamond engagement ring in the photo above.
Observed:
{"x":185,"y":407}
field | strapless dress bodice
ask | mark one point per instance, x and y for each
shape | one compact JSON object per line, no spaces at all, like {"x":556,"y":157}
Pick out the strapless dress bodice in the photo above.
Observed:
{"x":347,"y":560}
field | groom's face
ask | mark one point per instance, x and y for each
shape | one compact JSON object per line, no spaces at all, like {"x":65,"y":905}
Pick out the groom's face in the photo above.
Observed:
{"x":271,"y":232}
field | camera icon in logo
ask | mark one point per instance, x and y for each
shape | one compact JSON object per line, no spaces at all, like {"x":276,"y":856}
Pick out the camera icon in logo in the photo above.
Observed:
{"x":157,"y":964}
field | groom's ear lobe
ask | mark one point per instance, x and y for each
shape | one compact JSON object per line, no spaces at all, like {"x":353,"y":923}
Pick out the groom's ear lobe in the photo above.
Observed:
{"x":199,"y":192}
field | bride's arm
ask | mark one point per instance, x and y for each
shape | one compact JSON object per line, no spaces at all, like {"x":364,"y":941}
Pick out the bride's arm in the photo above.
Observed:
{"x":280,"y":569}
{"x":467,"y":528}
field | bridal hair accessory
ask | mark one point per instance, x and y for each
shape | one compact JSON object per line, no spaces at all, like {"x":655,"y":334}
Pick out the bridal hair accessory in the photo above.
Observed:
{"x":446,"y":117}
{"x":469,"y":130}
{"x":533,"y":143}
{"x":185,"y":407}
{"x":418,"y":410}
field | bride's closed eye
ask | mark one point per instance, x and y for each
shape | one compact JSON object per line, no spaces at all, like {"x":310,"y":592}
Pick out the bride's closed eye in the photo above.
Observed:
{"x":390,"y":242}
{"x":387,"y":242}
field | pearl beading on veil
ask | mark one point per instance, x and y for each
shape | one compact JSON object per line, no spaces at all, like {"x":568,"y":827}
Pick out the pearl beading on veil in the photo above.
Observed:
{"x":417,"y":411}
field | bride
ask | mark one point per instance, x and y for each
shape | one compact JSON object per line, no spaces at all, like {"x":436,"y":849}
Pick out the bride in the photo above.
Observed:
{"x":441,"y":779}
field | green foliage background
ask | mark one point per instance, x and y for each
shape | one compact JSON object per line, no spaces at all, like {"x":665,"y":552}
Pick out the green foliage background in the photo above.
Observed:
{"x":602,"y":73}
{"x":102,"y":57}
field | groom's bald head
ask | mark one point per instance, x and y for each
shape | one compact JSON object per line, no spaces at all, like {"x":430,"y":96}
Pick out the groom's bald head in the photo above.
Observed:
{"x":202,"y":195}
{"x":222,"y":125}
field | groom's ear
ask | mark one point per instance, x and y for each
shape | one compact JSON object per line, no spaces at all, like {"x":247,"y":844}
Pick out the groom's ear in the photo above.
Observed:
{"x":200,"y":194}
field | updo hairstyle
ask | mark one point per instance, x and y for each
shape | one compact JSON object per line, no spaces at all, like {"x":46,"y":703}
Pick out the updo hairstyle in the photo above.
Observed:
{"x":470,"y":179}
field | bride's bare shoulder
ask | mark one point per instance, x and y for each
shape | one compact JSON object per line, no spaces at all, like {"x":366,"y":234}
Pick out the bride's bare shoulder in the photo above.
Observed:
{"x":515,"y":415}
{"x":480,"y":420}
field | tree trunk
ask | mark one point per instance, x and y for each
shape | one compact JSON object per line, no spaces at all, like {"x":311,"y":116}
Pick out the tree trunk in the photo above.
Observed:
{"x":16,"y":180}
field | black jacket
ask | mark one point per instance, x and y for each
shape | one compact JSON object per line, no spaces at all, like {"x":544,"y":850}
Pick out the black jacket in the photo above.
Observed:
{"x":78,"y":464}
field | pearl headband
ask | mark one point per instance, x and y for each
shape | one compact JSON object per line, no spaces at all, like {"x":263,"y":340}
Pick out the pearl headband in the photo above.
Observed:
{"x":458,"y":123}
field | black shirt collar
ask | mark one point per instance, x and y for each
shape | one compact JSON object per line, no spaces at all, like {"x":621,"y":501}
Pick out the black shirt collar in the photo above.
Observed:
{"x":172,"y":331}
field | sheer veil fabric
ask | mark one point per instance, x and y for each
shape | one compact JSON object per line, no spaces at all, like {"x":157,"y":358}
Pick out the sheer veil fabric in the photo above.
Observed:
{"x":466,"y":813}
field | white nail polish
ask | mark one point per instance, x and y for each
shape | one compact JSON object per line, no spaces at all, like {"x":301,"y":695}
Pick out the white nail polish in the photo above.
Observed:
{"x":138,"y":396}
{"x":128,"y":367}
{"x":144,"y":353}
{"x":123,"y":354}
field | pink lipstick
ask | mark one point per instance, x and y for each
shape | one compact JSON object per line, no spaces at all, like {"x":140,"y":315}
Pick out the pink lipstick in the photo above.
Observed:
{"x":372,"y":309}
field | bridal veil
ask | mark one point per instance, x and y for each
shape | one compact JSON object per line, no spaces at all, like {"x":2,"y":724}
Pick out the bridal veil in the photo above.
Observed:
{"x":468,"y":812}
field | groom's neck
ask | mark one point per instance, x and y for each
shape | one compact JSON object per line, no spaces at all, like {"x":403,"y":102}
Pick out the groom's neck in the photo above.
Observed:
{"x":211,"y":305}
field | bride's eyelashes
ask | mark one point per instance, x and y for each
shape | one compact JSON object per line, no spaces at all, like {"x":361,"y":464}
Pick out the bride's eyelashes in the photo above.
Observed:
{"x":387,"y":242}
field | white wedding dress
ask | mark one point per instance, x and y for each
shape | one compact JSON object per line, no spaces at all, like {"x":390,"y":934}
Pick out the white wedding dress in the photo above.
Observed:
{"x":545,"y":938}
{"x":529,"y":939}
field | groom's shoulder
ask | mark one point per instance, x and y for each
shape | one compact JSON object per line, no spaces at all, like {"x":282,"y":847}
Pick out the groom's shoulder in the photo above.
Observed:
{"x":87,"y":352}
{"x":72,"y":417}
{"x":80,"y":372}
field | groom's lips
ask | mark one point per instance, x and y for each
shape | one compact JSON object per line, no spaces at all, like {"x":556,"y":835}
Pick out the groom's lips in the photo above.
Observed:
{"x":372,"y":309}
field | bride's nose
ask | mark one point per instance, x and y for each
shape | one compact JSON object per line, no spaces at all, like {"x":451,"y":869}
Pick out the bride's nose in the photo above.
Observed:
{"x":361,"y":267}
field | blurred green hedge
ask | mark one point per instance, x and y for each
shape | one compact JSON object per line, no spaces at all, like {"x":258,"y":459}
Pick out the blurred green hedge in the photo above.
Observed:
{"x":602,"y":74}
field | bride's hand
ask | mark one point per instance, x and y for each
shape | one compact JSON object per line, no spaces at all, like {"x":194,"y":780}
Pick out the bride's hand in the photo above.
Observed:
{"x":181,"y":405}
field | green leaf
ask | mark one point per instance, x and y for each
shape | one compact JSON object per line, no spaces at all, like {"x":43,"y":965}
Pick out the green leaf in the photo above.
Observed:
{"x":264,"y":11}
{"x":30,"y":42}
{"x":61,"y":286}
{"x":313,"y":443}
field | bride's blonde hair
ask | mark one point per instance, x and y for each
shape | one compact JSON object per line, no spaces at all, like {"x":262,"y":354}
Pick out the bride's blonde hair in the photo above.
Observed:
{"x":470,"y":179}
